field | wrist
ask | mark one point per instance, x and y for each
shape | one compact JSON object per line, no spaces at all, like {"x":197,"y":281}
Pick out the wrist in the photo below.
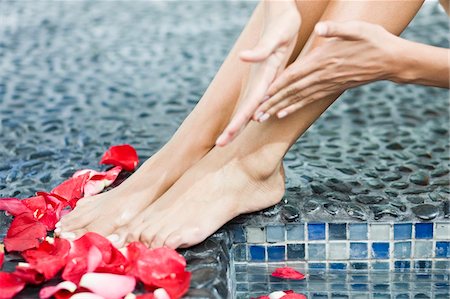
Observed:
{"x":401,"y":63}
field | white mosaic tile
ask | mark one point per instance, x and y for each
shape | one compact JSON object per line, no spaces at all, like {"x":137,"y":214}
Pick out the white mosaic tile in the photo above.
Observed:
{"x":423,"y":249}
{"x":337,"y":251}
{"x":255,"y":234}
{"x":379,"y":232}
{"x":442,"y":231}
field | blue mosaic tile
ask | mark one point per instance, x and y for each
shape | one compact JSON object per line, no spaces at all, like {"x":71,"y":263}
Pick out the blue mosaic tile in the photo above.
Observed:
{"x":358,"y":250}
{"x":422,"y":265}
{"x":241,"y":276}
{"x":359,"y":287}
{"x":275,"y":233}
{"x":359,"y":266}
{"x":295,"y":232}
{"x":317,"y":265}
{"x":442,"y":265}
{"x":296,"y":251}
{"x":240,"y":252}
{"x":338,"y":266}
{"x":402,"y":250}
{"x":337,"y":231}
{"x":442,"y":249}
{"x":316,"y":252}
{"x":257,"y":253}
{"x":242,"y":287}
{"x":238,"y":234}
{"x":380,"y":250}
{"x":402,"y":265}
{"x":358,"y":231}
{"x":380,"y":265}
{"x":424,"y":230}
{"x":402,"y":231}
{"x":276,"y":253}
{"x":316,"y":231}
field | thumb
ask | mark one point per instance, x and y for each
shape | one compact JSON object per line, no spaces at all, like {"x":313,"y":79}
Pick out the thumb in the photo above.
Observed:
{"x":265,"y":47}
{"x":352,"y":30}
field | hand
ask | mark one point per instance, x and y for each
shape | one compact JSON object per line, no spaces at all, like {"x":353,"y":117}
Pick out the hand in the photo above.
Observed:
{"x":269,"y":57}
{"x":354,"y":53}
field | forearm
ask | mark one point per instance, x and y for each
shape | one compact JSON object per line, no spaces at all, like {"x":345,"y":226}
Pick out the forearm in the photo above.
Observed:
{"x":421,"y":64}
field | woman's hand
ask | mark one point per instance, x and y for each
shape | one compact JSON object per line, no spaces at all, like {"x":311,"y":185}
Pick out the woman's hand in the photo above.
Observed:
{"x":353,"y":54}
{"x":269,"y":57}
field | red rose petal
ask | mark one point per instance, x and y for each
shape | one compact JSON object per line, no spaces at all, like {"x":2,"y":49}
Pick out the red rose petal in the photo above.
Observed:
{"x":13,"y":206}
{"x":54,"y":208}
{"x":72,"y":189}
{"x":288,"y":273}
{"x":67,"y":287}
{"x":121,"y":155}
{"x":98,"y":181}
{"x":48,"y":258}
{"x":36,"y":205}
{"x":27,"y":274}
{"x":24,"y":233}
{"x":146,"y":296}
{"x":294,"y":296}
{"x":10,"y":285}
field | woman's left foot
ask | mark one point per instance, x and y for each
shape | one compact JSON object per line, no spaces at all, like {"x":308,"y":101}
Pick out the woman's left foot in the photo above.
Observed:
{"x":223,"y":185}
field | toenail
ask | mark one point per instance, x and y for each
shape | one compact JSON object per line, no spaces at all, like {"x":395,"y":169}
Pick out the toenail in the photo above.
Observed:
{"x":113,"y":238}
{"x":57,"y":230}
{"x":68,"y":235}
{"x":264,"y":117}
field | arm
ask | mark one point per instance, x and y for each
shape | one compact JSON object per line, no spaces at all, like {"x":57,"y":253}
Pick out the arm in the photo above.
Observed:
{"x":421,"y":64}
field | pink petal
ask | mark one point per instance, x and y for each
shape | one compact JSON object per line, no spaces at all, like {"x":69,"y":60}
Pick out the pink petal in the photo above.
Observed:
{"x":10,"y":285}
{"x":111,"y":286}
{"x":2,"y":255}
{"x":13,"y":206}
{"x":47,"y":292}
{"x":87,"y":295}
{"x":94,"y":258}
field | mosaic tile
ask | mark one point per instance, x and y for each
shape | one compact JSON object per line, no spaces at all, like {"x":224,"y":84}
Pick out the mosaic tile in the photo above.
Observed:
{"x":402,"y":250}
{"x":261,"y":277}
{"x":359,"y":266}
{"x":238,"y":234}
{"x":402,"y":265}
{"x":424,"y":230}
{"x":442,"y":231}
{"x":358,"y":231}
{"x":422,"y":265}
{"x":316,"y":231}
{"x":338,"y":266}
{"x":379,"y":231}
{"x":257,"y":253}
{"x":317,"y":266}
{"x":445,"y":265}
{"x":337,"y":231}
{"x":380,"y":250}
{"x":295,"y":232}
{"x":275,"y":233}
{"x":296,"y":251}
{"x":358,"y":250}
{"x":423,"y":249}
{"x":240,"y":252}
{"x":337,"y":251}
{"x":241,"y":276}
{"x":276,"y":253}
{"x":255,"y":234}
{"x":442,"y":249}
{"x":402,"y":231}
{"x":242,"y":287}
{"x":316,"y":252}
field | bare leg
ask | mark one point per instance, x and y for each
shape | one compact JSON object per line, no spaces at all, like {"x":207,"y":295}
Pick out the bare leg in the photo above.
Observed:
{"x":195,"y":137}
{"x":246,"y":175}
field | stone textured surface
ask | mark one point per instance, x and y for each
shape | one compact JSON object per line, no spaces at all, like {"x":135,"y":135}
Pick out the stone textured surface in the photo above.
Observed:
{"x":78,"y":77}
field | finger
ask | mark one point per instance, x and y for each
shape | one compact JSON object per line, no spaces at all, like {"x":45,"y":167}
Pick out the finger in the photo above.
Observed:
{"x":293,"y":108}
{"x":352,"y":30}
{"x":265,"y":47}
{"x":260,"y":113}
{"x":282,"y":105}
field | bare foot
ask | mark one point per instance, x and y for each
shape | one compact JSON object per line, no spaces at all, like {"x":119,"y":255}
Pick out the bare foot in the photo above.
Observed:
{"x":218,"y":188}
{"x":105,"y":212}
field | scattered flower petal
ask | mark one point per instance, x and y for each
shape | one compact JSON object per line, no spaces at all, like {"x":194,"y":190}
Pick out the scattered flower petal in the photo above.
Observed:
{"x":111,"y":286}
{"x":98,"y":181}
{"x":13,"y":206}
{"x":2,"y":255}
{"x":24,"y":233}
{"x":49,"y":258}
{"x":276,"y":295}
{"x":294,"y":296}
{"x":72,"y":189}
{"x":65,"y":286}
{"x":10,"y":285}
{"x":121,"y":155}
{"x":288,"y":273}
{"x":87,"y":295}
{"x":27,"y":274}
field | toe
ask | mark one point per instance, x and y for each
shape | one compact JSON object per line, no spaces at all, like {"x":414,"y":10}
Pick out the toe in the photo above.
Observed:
{"x":101,"y":227}
{"x":72,"y":235}
{"x":75,"y":220}
{"x":174,"y":241}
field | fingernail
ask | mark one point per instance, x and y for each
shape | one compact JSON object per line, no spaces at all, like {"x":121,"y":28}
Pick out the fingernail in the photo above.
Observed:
{"x":282,"y":114}
{"x":259,"y":114}
{"x":58,"y":224}
{"x":68,"y":235}
{"x":57,"y":230}
{"x":220,"y":140}
{"x":113,"y":238}
{"x":264,"y":117}
{"x":321,"y":29}
{"x":265,"y":98}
